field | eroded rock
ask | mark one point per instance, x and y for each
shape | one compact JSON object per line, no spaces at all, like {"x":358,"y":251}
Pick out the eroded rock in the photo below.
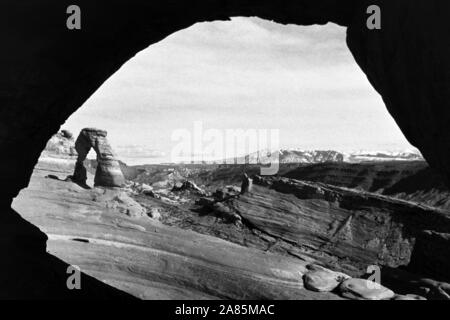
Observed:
{"x":60,"y":145}
{"x":108,"y":172}
{"x":188,"y":186}
{"x":321,"y":279}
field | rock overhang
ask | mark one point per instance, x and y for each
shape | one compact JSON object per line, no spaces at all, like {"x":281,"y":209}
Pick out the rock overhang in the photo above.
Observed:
{"x":48,"y":71}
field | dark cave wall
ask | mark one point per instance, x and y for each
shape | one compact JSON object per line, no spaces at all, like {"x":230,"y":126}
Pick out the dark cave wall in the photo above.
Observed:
{"x":48,"y":71}
{"x":408,"y":63}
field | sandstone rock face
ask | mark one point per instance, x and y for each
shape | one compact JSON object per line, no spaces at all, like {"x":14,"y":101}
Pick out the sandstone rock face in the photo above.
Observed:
{"x":365,"y":290}
{"x":108,"y":172}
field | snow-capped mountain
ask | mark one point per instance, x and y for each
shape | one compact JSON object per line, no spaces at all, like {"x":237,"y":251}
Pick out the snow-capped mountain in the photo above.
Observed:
{"x":364,"y":156}
{"x":322,"y":156}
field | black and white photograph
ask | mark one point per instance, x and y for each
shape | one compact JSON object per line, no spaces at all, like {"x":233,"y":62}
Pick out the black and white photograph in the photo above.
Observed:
{"x":225,"y":155}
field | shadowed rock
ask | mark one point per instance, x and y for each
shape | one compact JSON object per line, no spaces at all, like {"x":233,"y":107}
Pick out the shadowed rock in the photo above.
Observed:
{"x":431,"y":255}
{"x":108,"y":173}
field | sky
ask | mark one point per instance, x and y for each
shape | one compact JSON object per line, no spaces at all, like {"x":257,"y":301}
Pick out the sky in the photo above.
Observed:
{"x":246,"y":73}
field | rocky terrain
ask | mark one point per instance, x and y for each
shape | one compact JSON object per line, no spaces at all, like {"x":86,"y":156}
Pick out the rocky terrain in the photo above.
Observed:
{"x":103,"y":231}
{"x":408,"y":180}
{"x":171,"y":237}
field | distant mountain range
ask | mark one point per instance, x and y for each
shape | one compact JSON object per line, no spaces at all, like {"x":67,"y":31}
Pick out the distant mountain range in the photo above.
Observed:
{"x":323,"y":156}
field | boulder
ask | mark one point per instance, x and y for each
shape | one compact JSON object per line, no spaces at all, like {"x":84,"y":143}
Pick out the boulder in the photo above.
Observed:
{"x":154,"y":213}
{"x":362,"y":289}
{"x":321,"y":279}
{"x":226,"y":192}
{"x":188,"y":186}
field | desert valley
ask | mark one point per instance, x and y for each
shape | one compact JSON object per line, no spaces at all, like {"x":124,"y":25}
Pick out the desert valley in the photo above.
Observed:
{"x":189,"y":231}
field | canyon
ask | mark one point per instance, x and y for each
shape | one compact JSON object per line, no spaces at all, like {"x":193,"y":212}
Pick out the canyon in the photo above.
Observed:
{"x":163,"y":236}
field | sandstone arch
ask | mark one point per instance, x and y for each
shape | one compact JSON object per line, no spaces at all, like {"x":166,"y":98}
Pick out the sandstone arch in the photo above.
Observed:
{"x":108,"y":172}
{"x":48,"y":71}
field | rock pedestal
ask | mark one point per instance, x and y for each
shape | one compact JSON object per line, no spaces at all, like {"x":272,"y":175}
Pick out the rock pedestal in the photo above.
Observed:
{"x":108,"y":173}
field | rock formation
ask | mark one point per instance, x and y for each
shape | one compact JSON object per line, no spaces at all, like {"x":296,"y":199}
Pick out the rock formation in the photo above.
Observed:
{"x":246,"y":184}
{"x":51,"y":71}
{"x":361,"y":228}
{"x":188,"y":186}
{"x":61,"y":145}
{"x":322,"y":279}
{"x":108,"y":172}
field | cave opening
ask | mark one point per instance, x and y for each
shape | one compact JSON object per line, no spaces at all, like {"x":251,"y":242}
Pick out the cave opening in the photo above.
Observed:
{"x":248,"y":75}
{"x":54,"y":78}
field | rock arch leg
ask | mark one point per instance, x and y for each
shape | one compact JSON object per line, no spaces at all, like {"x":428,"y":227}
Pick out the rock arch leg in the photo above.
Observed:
{"x":82,"y":146}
